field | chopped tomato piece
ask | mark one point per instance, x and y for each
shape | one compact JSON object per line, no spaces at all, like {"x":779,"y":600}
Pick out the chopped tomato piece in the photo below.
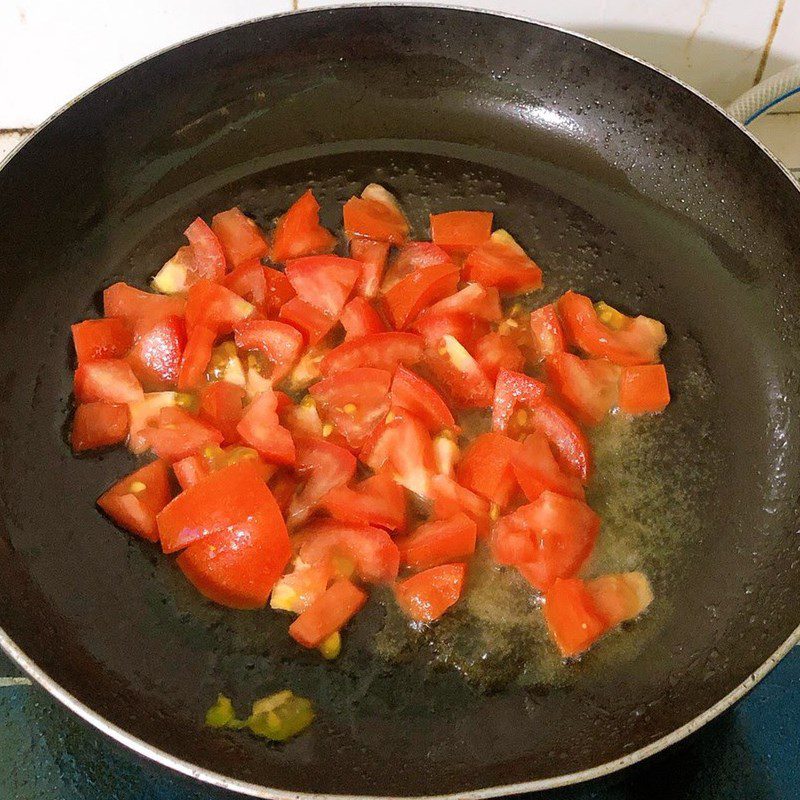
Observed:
{"x":378,"y":350}
{"x":210,"y":305}
{"x":283,"y":487}
{"x":486,"y":469}
{"x":309,"y":320}
{"x":450,"y":498}
{"x":537,"y":470}
{"x":279,"y":292}
{"x":376,"y":501}
{"x":644,"y":389}
{"x":100,"y":339}
{"x":303,"y":419}
{"x":134,"y":502}
{"x":588,"y":388}
{"x":260,"y":427}
{"x":416,"y":395}
{"x":546,"y":334}
{"x":144,"y":413}
{"x":369,"y":551}
{"x":190,"y":470}
{"x":513,"y":389}
{"x":465,"y":328}
{"x":427,"y":595}
{"x":473,"y":299}
{"x":222,"y":406}
{"x":551,"y":537}
{"x":565,"y":436}
{"x":458,"y":374}
{"x":279,"y":343}
{"x":297,"y":590}
{"x":495,"y":351}
{"x":446,"y":453}
{"x":324,"y":466}
{"x":461,"y":231}
{"x":220,"y":500}
{"x":328,"y":614}
{"x":131,"y":304}
{"x":359,"y":319}
{"x":413,"y":256}
{"x":208,"y":259}
{"x":355,"y":401}
{"x":157,"y":352}
{"x":240,"y":237}
{"x":502,"y":263}
{"x":620,"y":596}
{"x":572,"y":617}
{"x":419,"y":289}
{"x":373,"y":257}
{"x":375,"y":215}
{"x":404,"y":447}
{"x":439,"y":542}
{"x":298,"y":232}
{"x":637,"y":342}
{"x":98,"y":425}
{"x":237,"y":567}
{"x":110,"y":381}
{"x":324,"y":281}
{"x":249,"y":281}
{"x":196,"y":355}
{"x":178,"y":434}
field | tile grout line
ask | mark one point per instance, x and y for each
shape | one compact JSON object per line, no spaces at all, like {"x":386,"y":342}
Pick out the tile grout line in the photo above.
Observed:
{"x":773,"y":30}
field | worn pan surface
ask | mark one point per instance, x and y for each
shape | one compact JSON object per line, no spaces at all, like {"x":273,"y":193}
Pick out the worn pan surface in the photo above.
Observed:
{"x":619,"y":180}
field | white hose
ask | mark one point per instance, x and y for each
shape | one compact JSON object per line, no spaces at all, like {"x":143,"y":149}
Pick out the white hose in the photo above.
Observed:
{"x":765,"y":95}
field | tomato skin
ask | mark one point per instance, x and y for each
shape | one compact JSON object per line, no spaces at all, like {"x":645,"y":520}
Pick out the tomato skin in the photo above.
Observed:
{"x":637,"y":343}
{"x":546,"y":333}
{"x":565,"y":437}
{"x":134,"y":502}
{"x":465,"y":328}
{"x":298,"y":232}
{"x":485,"y":468}
{"x":222,"y":406}
{"x":157,"y":352}
{"x":190,"y":470}
{"x":572,"y":617}
{"x":328,"y":614}
{"x":260,"y":427}
{"x":451,"y":498}
{"x":461,"y":231}
{"x":312,"y":323}
{"x":588,"y":388}
{"x":355,"y":401}
{"x":249,"y":281}
{"x":474,"y":300}
{"x":279,"y":292}
{"x":416,"y":395}
{"x":513,"y":388}
{"x":377,"y":501}
{"x":439,"y":542}
{"x":239,"y":236}
{"x":413,"y":256}
{"x":644,"y":389}
{"x":370,"y":219}
{"x":550,"y":537}
{"x":458,"y":374}
{"x":494,"y":352}
{"x":210,"y":305}
{"x":427,"y":595}
{"x":208,"y":259}
{"x":110,"y":381}
{"x":537,"y":470}
{"x":98,"y":425}
{"x":359,"y":319}
{"x":324,"y":466}
{"x":178,"y":434}
{"x":324,"y":281}
{"x":196,"y":355}
{"x":504,"y":265}
{"x":237,"y":567}
{"x":620,"y":596}
{"x":409,"y":296}
{"x":373,"y":257}
{"x":378,"y":350}
{"x":374,"y":555}
{"x":281,"y":344}
{"x":126,"y":302}
{"x":99,"y":339}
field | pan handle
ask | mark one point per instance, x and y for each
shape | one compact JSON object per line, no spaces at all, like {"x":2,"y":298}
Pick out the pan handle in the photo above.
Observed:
{"x":763,"y":96}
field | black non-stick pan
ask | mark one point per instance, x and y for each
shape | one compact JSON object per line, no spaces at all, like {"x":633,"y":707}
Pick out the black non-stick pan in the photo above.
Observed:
{"x":621,"y":183}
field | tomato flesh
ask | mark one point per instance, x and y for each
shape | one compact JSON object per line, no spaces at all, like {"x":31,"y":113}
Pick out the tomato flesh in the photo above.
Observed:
{"x":239,"y":236}
{"x":157,"y":352}
{"x":328,"y":614}
{"x":621,"y":596}
{"x":427,"y":595}
{"x":324,"y":281}
{"x":546,"y":333}
{"x":222,"y":407}
{"x":128,"y":303}
{"x":494,"y":352}
{"x":298,"y":232}
{"x":99,"y":339}
{"x":210,"y":305}
{"x":373,"y":257}
{"x":378,"y":350}
{"x":377,"y":501}
{"x":644,"y":389}
{"x":281,"y":344}
{"x":178,"y":434}
{"x":461,"y":231}
{"x":537,"y":470}
{"x":486,"y":469}
{"x":451,"y":498}
{"x":359,"y":319}
{"x":260,"y":427}
{"x":419,"y":289}
{"x":312,"y":323}
{"x":416,"y":395}
{"x":588,"y":388}
{"x":195,"y":358}
{"x":375,"y":220}
{"x":458,"y":374}
{"x":97,"y":425}
{"x":504,"y":265}
{"x":110,"y":381}
{"x":208,"y":258}
{"x":572,"y":617}
{"x":439,"y":542}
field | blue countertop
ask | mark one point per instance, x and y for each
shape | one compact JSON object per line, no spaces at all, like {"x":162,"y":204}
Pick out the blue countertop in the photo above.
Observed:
{"x":750,"y":753}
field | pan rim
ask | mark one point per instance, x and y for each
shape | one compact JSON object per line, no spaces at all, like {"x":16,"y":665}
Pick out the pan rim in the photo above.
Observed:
{"x":165,"y":759}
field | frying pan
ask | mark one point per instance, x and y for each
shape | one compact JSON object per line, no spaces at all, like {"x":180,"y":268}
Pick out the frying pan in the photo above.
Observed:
{"x":621,"y":182}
